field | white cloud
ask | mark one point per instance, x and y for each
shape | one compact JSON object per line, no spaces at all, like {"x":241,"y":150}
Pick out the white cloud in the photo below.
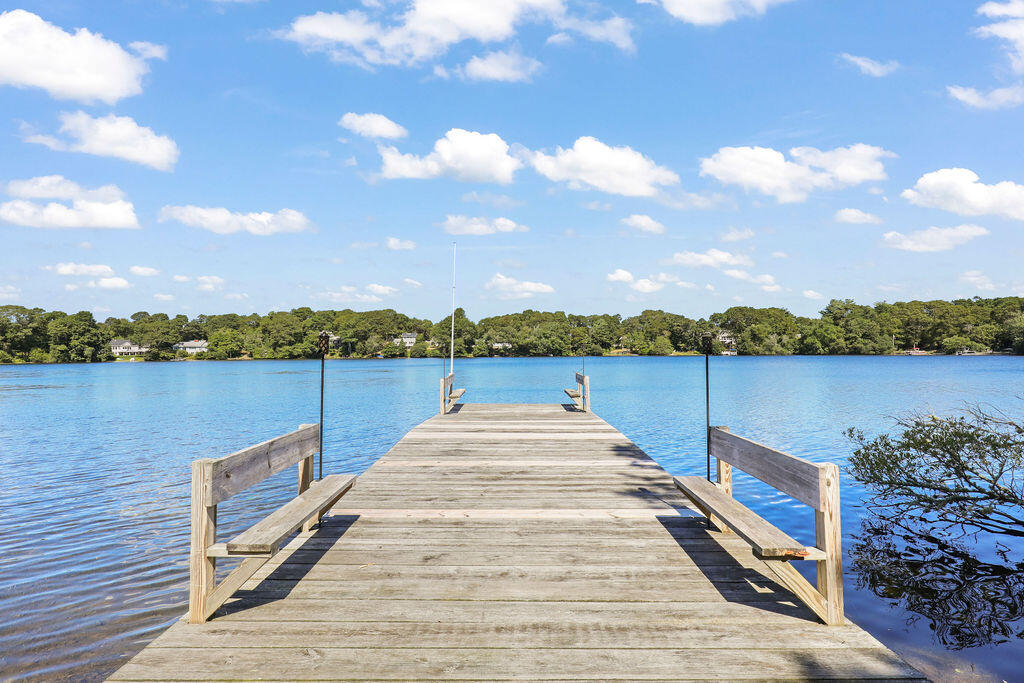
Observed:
{"x":643,"y":223}
{"x":505,"y":66}
{"x":870,"y":67}
{"x":811,"y":294}
{"x":148,"y":50}
{"x":372,"y":126}
{"x":714,"y":12}
{"x":182,"y":278}
{"x":767,"y":171}
{"x":81,"y":66}
{"x":779,"y":254}
{"x":998,"y":98}
{"x":349,"y":294}
{"x":395,"y":244}
{"x":225,"y":222}
{"x":591,"y":164}
{"x":856,"y":216}
{"x":619,"y":275}
{"x":959,"y":190}
{"x":102,"y":208}
{"x":933,"y":239}
{"x":464,"y":155}
{"x":738,"y":235}
{"x":110,"y":283}
{"x":978,"y":280}
{"x":382,"y":290}
{"x":498,"y":201}
{"x":237,"y":296}
{"x":412,"y":283}
{"x":209,"y":283}
{"x":766,"y":281}
{"x":144,"y":271}
{"x":59,"y":187}
{"x":428,"y":28}
{"x":87,"y":269}
{"x":164,"y":297}
{"x":1010,"y":8}
{"x":511,"y":288}
{"x":647,"y":286}
{"x":112,"y":136}
{"x":713,"y":258}
{"x":9,"y":292}
{"x":466,"y":225}
{"x":598,"y":206}
{"x":1010,"y":31}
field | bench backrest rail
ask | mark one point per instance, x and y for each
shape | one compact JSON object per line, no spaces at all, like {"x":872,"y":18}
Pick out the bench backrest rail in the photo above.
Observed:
{"x":214,"y":480}
{"x":811,"y":483}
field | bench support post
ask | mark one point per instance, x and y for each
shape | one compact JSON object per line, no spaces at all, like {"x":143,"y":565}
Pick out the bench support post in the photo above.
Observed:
{"x":305,"y":479}
{"x":828,"y":533}
{"x":585,"y":393}
{"x":202,"y":569}
{"x":724,"y":482}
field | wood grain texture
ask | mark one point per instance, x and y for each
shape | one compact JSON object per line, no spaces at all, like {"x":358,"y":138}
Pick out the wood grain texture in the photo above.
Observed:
{"x":793,"y":476}
{"x":514,"y":542}
{"x":236,"y":472}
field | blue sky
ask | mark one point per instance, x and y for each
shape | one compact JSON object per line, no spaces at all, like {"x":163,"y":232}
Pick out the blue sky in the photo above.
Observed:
{"x":204,"y":156}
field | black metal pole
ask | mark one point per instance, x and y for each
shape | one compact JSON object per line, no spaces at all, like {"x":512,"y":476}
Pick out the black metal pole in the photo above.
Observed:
{"x":707,"y":400}
{"x":324,"y":342}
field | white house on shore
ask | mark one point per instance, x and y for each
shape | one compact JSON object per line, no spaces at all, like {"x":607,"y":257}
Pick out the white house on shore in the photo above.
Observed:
{"x":123,"y":348}
{"x":192,"y":347}
{"x":406,"y":339}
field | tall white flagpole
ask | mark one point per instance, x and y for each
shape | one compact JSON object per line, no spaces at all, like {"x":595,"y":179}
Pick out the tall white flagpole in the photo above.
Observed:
{"x":451,"y":362}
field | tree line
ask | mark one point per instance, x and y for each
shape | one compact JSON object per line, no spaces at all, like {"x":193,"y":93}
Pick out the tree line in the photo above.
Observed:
{"x":843,"y":327}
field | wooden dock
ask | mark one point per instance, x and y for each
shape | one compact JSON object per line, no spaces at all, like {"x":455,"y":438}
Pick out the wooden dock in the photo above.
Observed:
{"x":503,"y":542}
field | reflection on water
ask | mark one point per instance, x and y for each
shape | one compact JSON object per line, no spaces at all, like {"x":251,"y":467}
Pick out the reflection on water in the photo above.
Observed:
{"x":966,"y":602}
{"x":94,"y":474}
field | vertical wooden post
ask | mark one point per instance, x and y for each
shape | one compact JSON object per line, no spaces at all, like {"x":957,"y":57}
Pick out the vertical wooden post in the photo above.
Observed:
{"x":305,"y":479}
{"x":202,"y":569}
{"x":585,"y":393}
{"x":724,"y":480}
{"x":829,"y":535}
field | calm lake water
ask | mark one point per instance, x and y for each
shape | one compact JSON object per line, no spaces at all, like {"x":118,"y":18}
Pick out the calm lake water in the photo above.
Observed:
{"x":94,"y":480}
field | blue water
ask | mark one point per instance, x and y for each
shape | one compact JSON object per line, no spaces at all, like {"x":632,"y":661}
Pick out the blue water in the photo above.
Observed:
{"x":94,"y":467}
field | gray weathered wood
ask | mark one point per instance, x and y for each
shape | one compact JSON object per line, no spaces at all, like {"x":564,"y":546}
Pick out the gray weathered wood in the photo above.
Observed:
{"x":793,"y":476}
{"x":514,"y":542}
{"x":767,"y":541}
{"x":266,"y":535}
{"x":235,"y":473}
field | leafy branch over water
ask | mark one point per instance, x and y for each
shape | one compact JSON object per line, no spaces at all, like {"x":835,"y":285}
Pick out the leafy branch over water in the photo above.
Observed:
{"x":964,"y":471}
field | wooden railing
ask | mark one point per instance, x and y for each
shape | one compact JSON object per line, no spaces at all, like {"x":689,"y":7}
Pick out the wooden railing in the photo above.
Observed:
{"x":814,"y":484}
{"x":214,"y":480}
{"x":581,"y":394}
{"x":449,"y":395}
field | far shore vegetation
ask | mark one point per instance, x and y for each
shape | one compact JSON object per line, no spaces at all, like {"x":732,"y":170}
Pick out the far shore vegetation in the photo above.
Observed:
{"x":33,"y":335}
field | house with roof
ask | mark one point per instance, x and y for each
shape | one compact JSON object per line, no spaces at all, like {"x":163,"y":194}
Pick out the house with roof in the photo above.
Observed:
{"x":192,"y":347}
{"x":124,"y":348}
{"x":406,"y":339}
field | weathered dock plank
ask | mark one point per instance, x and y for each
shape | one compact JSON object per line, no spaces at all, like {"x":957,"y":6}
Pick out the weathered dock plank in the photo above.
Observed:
{"x":514,"y":542}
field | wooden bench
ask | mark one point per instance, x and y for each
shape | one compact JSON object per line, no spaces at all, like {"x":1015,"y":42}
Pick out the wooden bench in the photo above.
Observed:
{"x":814,"y":484}
{"x":449,"y":396}
{"x":214,"y":480}
{"x":581,"y":394}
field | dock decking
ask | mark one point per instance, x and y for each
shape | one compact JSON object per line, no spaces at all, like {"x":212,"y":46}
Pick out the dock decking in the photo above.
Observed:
{"x":513,"y":542}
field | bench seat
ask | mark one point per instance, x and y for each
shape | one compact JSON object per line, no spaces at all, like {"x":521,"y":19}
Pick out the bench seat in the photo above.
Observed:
{"x":456,"y":394}
{"x":572,"y":393}
{"x":767,"y":541}
{"x":265,"y":537}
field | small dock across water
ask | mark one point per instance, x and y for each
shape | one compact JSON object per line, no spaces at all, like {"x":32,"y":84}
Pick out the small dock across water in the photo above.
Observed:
{"x":500,"y":542}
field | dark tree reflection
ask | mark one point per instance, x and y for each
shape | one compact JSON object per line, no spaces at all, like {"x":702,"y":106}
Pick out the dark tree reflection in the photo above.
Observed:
{"x":968,"y":602}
